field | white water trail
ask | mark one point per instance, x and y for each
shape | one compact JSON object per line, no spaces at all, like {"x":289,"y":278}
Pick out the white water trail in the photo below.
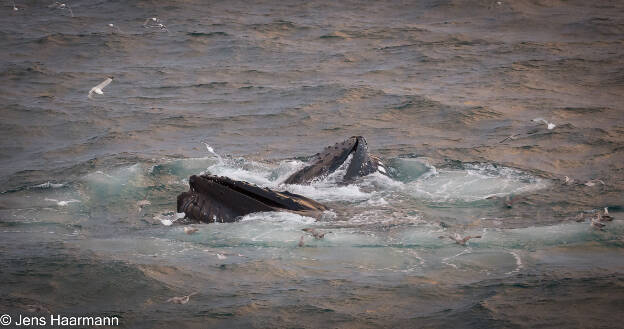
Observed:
{"x":519,"y":264}
{"x":446,"y":259}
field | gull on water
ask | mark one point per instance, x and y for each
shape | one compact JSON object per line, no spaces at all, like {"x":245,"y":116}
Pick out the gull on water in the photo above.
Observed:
{"x":190,"y":230}
{"x":62,"y":6}
{"x":113,"y":27}
{"x":459,"y":239}
{"x":98,"y":89}
{"x":180,"y":300}
{"x":549,"y":125}
{"x":143,"y":203}
{"x":596,"y":222}
{"x":150,"y":20}
{"x":605,"y":217}
{"x":155,"y":22}
{"x":594,"y":182}
{"x":508,"y":200}
{"x":221,"y":256}
{"x":316,"y":234}
{"x":599,"y":219}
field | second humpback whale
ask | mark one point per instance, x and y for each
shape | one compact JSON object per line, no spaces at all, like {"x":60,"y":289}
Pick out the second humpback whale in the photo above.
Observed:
{"x":222,"y":199}
{"x":332,"y":157}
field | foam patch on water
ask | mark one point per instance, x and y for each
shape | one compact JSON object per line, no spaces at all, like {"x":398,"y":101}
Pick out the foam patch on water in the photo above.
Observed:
{"x":378,"y":181}
{"x":169,"y":218}
{"x":48,"y":185}
{"x":258,"y":176}
{"x":322,"y":191}
{"x":266,"y":229}
{"x":475,"y":182}
{"x":125,"y":176}
{"x":62,"y":203}
{"x":278,"y":216}
{"x":182,"y":168}
{"x":410,"y":169}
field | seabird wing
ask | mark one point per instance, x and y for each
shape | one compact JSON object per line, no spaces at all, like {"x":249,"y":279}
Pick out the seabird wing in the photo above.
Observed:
{"x":102,"y":85}
{"x":98,"y":89}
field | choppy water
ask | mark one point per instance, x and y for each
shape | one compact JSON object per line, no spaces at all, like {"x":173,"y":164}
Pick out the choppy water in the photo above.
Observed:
{"x":435,"y":87}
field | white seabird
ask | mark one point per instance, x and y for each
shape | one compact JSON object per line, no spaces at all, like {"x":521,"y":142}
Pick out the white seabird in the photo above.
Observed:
{"x":155,"y":22}
{"x":62,"y":6}
{"x":190,"y":230}
{"x":459,"y":239}
{"x":180,"y":300}
{"x":98,"y":89}
{"x":142,"y":204}
{"x":153,"y":19}
{"x":113,"y":26}
{"x":549,"y":125}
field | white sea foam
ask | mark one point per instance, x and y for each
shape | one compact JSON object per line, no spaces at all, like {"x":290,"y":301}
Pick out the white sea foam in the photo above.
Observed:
{"x":519,"y":264}
{"x":278,"y":216}
{"x":169,"y":218}
{"x":327,"y":192}
{"x":62,"y":203}
{"x":48,"y":185}
{"x":475,"y":182}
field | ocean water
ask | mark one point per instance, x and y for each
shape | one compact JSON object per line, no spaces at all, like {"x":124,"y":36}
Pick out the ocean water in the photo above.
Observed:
{"x":436,"y":87}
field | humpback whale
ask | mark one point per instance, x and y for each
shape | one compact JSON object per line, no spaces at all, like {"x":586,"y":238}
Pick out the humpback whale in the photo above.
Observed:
{"x":221,"y":199}
{"x":332,"y":157}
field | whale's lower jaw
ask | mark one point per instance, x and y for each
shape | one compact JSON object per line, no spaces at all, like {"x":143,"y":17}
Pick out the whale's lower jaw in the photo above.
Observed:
{"x":221,"y":199}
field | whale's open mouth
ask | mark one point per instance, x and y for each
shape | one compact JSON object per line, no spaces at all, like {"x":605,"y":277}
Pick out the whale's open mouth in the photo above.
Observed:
{"x":332,"y":157}
{"x":221,"y":199}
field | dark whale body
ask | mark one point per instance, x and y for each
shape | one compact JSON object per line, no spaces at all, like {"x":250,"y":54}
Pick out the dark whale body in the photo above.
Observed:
{"x":222,"y":199}
{"x":332,"y":157}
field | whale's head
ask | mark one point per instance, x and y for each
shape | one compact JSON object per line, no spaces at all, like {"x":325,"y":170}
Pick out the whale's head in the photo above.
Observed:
{"x":353,"y":149}
{"x":222,"y":199}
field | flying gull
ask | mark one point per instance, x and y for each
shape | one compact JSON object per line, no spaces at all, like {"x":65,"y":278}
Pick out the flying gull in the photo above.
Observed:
{"x":98,"y":89}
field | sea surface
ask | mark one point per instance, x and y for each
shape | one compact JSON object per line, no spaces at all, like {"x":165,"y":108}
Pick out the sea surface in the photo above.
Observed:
{"x":445,"y":91}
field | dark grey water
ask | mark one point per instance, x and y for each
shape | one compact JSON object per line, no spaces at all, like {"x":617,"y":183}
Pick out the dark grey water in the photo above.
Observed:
{"x":435,"y":86}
